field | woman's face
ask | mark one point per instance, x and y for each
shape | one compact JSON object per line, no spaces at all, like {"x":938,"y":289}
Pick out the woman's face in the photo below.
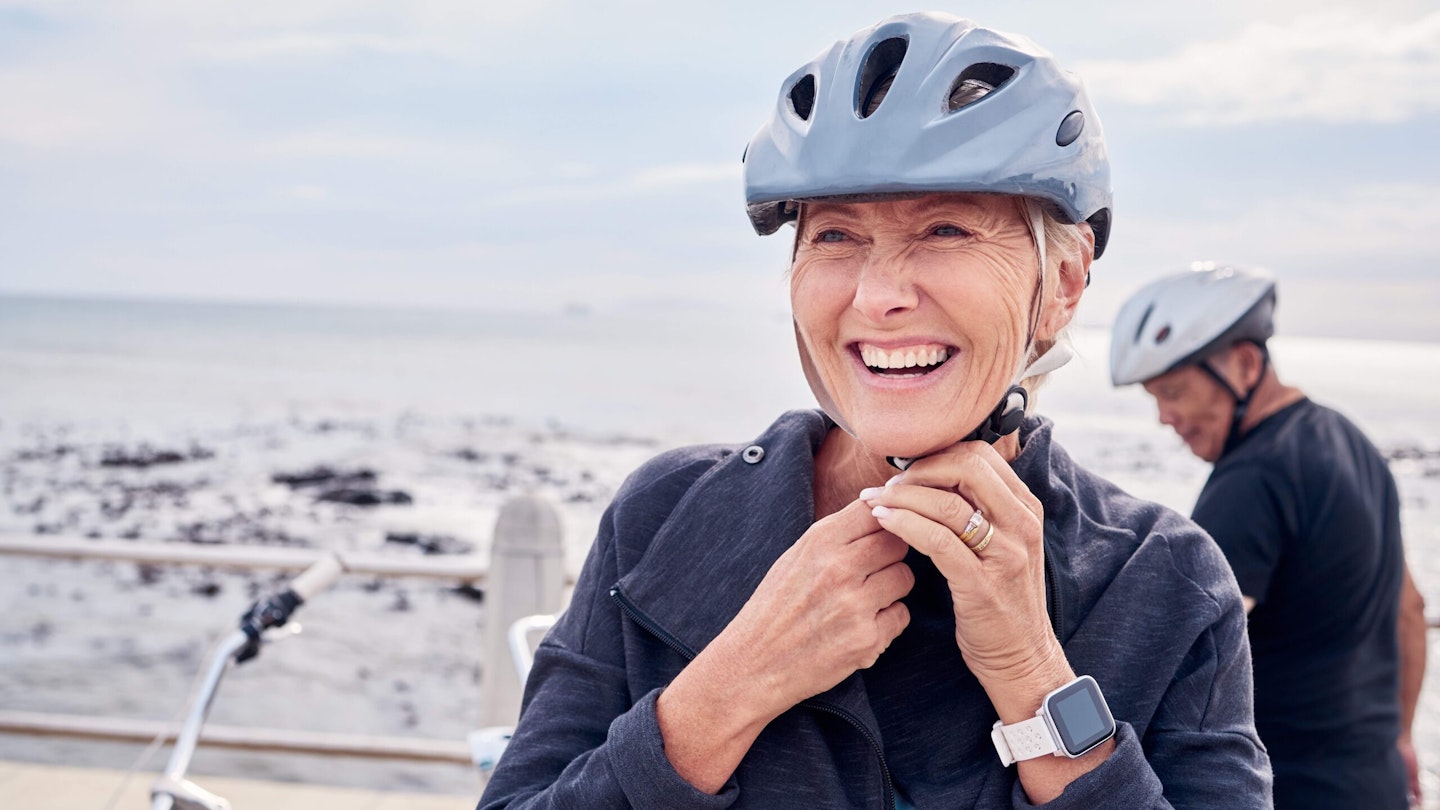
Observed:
{"x":915,"y":312}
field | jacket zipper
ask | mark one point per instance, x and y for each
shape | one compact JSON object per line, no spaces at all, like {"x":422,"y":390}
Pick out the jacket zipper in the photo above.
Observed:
{"x":1052,"y":594}
{"x":669,"y":640}
{"x":870,"y":738}
{"x":649,"y":624}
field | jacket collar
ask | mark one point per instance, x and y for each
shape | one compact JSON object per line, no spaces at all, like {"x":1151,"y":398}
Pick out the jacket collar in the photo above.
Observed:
{"x":738,"y":518}
{"x":730,"y":527}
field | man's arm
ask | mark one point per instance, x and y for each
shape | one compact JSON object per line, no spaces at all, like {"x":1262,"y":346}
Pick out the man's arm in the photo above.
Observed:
{"x":1412,"y":632}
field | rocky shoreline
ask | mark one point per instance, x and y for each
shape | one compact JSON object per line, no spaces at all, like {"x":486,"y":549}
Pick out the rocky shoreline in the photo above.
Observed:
{"x":381,"y":655}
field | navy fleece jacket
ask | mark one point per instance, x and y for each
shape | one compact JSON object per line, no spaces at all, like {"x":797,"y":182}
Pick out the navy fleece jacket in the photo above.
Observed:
{"x":1141,"y":598}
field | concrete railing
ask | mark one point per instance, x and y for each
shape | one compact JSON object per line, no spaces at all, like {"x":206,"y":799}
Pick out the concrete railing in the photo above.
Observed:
{"x":523,"y":576}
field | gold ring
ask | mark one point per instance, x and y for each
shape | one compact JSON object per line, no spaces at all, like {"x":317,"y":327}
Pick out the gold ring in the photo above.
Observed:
{"x":972,"y":527}
{"x":980,"y":546}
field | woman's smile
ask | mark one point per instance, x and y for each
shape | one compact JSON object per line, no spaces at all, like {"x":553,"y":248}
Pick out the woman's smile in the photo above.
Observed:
{"x":900,"y":363}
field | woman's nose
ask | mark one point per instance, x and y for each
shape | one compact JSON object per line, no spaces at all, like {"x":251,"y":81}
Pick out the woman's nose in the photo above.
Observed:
{"x":885,"y":287}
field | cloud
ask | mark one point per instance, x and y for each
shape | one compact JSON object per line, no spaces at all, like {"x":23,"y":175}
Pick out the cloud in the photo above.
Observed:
{"x":309,"y":192}
{"x":62,"y":107}
{"x":662,"y":179}
{"x":1357,"y":262}
{"x":1369,"y":220}
{"x":342,"y":145}
{"x":685,"y":174}
{"x":311,"y":45}
{"x":1339,"y":66}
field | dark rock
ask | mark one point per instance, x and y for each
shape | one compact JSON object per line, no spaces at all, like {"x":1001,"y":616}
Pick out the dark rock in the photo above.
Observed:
{"x":201,"y":534}
{"x":146,"y":456}
{"x":207,"y":589}
{"x":365,"y":497}
{"x":315,"y":476}
{"x":430,"y":543}
{"x":45,"y":453}
{"x":401,"y":603}
{"x":1411,"y":453}
{"x":469,"y":591}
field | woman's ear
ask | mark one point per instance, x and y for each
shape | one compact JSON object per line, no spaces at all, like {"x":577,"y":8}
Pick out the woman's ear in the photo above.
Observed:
{"x":1071,"y":279}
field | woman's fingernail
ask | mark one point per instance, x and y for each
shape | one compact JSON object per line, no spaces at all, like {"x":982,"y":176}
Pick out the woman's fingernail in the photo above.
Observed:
{"x":881,"y":512}
{"x":894,"y":479}
{"x":871,"y":492}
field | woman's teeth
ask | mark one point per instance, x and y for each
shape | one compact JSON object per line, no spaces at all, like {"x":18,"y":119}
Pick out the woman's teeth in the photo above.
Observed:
{"x":923,"y":359}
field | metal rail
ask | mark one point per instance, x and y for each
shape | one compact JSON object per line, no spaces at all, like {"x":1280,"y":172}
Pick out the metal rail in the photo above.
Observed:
{"x":529,"y":577}
{"x":469,"y":568}
{"x":84,"y":727}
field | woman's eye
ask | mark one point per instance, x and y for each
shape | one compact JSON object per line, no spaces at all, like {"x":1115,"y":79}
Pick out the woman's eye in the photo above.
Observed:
{"x":830,"y":236}
{"x":949,"y":230}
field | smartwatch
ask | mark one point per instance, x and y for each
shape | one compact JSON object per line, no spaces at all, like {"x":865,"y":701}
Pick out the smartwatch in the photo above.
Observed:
{"x":1072,"y":720}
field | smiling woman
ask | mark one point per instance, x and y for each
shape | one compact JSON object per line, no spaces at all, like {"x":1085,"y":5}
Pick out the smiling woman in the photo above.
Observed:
{"x":794,"y":625}
{"x":881,"y":288}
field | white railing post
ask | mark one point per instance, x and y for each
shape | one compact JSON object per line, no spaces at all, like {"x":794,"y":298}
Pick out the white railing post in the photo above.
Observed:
{"x":526,"y":577}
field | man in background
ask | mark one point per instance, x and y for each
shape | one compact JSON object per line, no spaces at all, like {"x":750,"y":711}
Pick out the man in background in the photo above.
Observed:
{"x":1306,"y":511}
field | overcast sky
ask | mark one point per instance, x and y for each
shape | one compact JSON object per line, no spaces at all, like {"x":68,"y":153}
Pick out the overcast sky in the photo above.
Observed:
{"x":539,"y":154}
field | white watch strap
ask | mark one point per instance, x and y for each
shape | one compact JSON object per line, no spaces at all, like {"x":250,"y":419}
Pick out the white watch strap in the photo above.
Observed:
{"x":1024,"y":740}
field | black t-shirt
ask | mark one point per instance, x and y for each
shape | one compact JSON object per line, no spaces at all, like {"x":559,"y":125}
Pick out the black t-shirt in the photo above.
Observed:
{"x":1307,"y":513}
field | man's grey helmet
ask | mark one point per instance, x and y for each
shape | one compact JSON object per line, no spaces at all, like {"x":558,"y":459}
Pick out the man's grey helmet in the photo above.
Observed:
{"x":1182,"y":319}
{"x":924,"y":103}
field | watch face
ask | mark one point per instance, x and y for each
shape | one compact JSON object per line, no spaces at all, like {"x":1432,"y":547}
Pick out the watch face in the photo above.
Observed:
{"x":1080,"y":716}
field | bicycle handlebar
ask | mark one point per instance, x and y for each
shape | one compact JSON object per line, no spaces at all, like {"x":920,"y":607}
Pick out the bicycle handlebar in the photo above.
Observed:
{"x":275,"y":610}
{"x":171,"y":790}
{"x":318,"y":577}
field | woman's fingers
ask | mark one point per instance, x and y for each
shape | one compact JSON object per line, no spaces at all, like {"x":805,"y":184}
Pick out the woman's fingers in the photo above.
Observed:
{"x":892,"y":621}
{"x":876,"y":550}
{"x":935,"y":540}
{"x":889,"y":584}
{"x":942,"y":506}
{"x":976,"y":471}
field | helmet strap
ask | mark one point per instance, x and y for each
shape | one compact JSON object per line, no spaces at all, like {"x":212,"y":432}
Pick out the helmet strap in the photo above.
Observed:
{"x":1242,"y":401}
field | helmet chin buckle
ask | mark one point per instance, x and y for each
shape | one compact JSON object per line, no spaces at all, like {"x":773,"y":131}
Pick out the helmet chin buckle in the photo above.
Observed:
{"x":1007,"y":418}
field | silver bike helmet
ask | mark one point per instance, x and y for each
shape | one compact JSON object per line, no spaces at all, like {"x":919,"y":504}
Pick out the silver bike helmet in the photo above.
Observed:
{"x":1182,"y":319}
{"x":923,"y":103}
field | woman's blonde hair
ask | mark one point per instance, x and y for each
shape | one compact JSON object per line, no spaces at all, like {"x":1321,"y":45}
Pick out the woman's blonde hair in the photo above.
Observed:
{"x":1062,"y":241}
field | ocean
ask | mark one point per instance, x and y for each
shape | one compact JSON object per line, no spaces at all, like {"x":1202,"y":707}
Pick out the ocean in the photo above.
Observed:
{"x":456,"y":410}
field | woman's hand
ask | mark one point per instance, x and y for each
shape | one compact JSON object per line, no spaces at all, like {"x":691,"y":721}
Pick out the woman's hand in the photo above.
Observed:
{"x":1001,"y":622}
{"x":828,"y":607}
{"x":998,"y":587}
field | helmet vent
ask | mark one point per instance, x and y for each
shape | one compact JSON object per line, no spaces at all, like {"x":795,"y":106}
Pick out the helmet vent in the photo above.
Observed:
{"x":878,"y":74}
{"x":802,"y":97}
{"x":976,"y":82}
{"x":1070,"y":128}
{"x":1144,"y":319}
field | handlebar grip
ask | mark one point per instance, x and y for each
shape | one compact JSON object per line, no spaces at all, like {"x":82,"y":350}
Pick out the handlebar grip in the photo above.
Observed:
{"x":318,"y":577}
